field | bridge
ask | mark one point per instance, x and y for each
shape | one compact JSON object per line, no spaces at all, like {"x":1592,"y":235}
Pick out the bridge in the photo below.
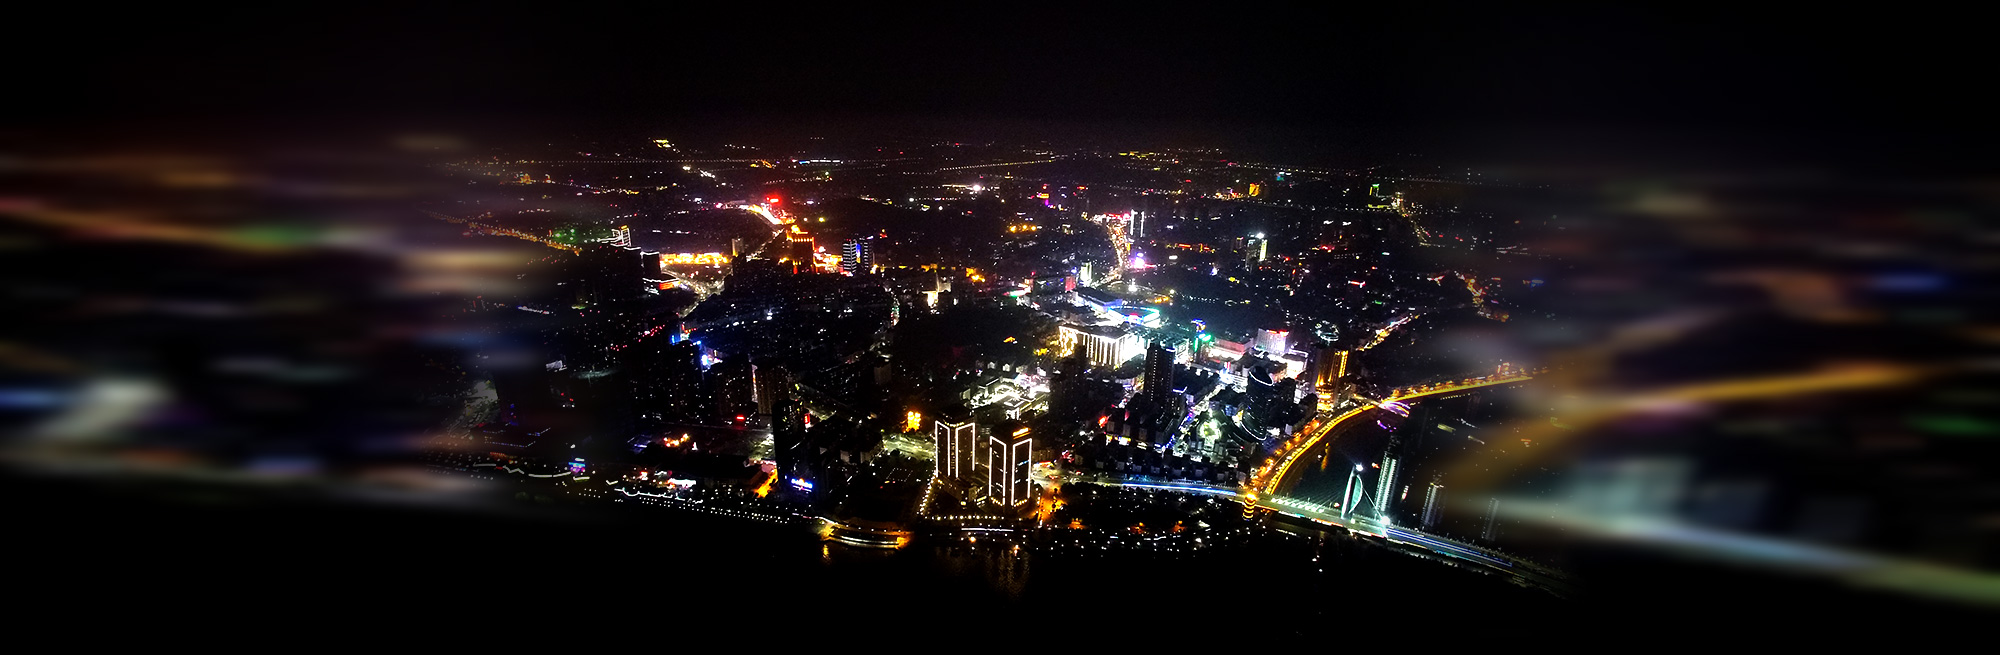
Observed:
{"x":1261,"y":491}
{"x":1265,"y":480}
{"x":1370,"y":526}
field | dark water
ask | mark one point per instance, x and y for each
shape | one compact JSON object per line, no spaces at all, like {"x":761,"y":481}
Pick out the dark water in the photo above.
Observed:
{"x":282,"y":559}
{"x":184,"y":559}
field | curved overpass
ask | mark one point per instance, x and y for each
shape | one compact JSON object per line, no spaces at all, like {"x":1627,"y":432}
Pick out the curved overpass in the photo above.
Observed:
{"x":1266,"y":478}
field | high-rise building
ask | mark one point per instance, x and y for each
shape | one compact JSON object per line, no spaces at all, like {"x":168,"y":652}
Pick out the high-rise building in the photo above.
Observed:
{"x":1273,"y":341}
{"x":1068,"y":387}
{"x":1159,"y":378}
{"x":797,"y":250}
{"x":857,"y":256}
{"x":732,"y":383}
{"x":957,"y":441}
{"x":621,"y":237}
{"x":666,"y":381}
{"x":788,"y":438}
{"x":772,"y":385}
{"x":1010,"y":454}
{"x":1254,"y":250}
{"x":1327,"y":366}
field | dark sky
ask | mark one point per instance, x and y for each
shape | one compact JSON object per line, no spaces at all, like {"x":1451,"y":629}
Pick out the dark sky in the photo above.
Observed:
{"x":1810,"y":84}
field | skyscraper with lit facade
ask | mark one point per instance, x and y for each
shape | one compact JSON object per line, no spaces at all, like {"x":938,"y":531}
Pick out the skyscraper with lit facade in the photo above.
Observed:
{"x":857,"y":256}
{"x":1010,"y":452}
{"x":957,"y":442}
{"x":1254,"y":249}
{"x":1327,"y":365}
{"x":1159,"y":378}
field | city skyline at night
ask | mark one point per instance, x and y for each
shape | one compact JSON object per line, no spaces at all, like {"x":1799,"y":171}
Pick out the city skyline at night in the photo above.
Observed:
{"x":1276,"y":324}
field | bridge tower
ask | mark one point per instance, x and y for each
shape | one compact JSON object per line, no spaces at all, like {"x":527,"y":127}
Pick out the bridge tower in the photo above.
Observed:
{"x":1384,"y":486}
{"x":1351,"y":496}
{"x":1433,"y":504}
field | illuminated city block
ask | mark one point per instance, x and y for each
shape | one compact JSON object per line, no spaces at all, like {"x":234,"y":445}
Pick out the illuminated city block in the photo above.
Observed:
{"x":693,"y":259}
{"x":1106,"y":346}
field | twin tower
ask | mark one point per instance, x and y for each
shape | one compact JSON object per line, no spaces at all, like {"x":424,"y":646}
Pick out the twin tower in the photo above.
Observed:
{"x":985,"y":464}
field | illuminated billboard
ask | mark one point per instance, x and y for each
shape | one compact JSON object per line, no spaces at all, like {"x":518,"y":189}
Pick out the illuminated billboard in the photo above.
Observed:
{"x":1142,"y":316}
{"x":693,"y":259}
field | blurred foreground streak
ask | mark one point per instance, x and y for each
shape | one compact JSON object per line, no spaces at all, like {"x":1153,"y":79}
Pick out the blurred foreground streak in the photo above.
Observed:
{"x":259,"y":319}
{"x":1792,"y":378}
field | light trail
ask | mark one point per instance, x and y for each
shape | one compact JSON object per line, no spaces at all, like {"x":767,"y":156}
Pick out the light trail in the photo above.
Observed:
{"x":1592,"y":411}
{"x":765,"y":212}
{"x":1447,"y":548}
{"x":1011,"y":163}
{"x":1169,"y":487}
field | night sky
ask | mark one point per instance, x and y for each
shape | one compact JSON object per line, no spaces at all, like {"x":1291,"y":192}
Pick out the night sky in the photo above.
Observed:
{"x":1878,"y":89}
